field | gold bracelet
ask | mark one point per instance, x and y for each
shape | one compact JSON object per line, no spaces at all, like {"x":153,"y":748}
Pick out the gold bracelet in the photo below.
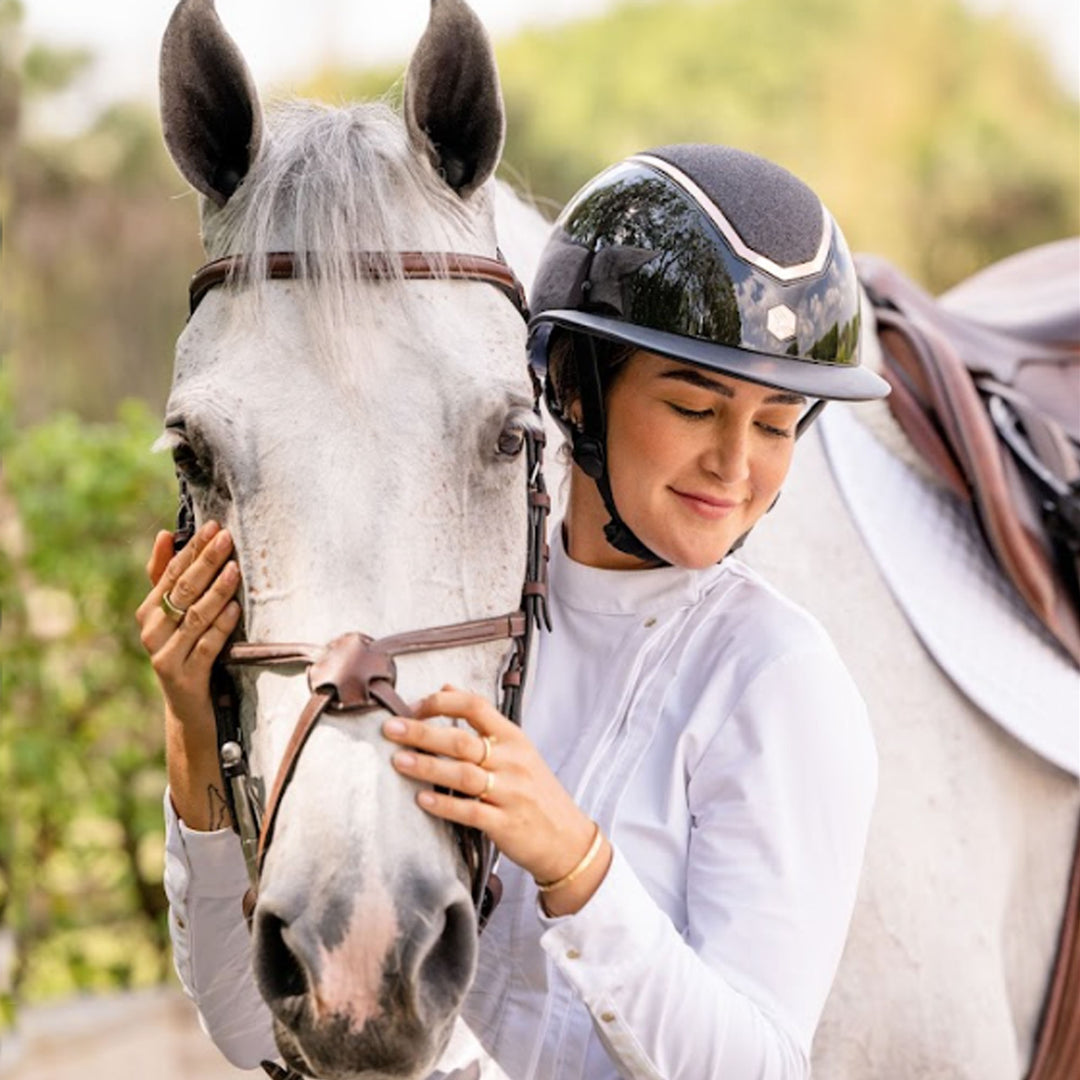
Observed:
{"x":586,"y":862}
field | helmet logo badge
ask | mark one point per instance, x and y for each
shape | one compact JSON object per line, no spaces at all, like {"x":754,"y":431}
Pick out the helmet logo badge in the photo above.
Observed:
{"x":781,"y":322}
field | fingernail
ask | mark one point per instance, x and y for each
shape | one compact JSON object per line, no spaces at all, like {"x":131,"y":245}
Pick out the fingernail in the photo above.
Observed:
{"x":210,"y":528}
{"x":406,"y":761}
{"x":230,"y":572}
{"x":223,"y":541}
{"x":426,"y":798}
{"x":394,"y":727}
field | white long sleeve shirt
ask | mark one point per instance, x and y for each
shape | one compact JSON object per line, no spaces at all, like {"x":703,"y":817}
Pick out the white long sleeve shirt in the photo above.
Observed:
{"x":710,"y":728}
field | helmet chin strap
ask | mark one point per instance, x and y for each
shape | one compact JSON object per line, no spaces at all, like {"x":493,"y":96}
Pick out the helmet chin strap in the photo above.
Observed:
{"x":589,"y":451}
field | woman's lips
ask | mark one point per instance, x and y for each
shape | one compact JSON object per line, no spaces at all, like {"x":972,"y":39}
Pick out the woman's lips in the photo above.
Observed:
{"x":706,"y":505}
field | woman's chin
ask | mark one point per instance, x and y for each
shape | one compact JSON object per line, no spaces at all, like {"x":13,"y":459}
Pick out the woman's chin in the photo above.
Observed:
{"x":693,"y":557}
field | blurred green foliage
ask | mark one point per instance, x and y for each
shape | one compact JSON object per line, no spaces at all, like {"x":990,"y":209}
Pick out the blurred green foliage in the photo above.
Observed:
{"x":938,"y":138}
{"x":81,"y":856}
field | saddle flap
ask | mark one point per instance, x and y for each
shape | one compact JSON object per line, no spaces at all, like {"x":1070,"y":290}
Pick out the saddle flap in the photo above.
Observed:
{"x":940,"y":361}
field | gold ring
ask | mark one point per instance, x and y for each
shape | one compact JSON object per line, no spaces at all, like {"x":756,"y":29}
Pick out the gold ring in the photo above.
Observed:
{"x":489,"y":787}
{"x":489,"y":742}
{"x":175,"y":613}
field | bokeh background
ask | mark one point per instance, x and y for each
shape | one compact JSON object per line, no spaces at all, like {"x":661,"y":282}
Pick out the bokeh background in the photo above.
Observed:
{"x":943,"y":134}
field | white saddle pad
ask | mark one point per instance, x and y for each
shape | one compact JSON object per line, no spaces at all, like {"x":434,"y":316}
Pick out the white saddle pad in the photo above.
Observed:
{"x":927,"y":545}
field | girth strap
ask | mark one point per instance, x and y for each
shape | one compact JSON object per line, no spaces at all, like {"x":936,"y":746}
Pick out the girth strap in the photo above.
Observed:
{"x":1057,"y":1049}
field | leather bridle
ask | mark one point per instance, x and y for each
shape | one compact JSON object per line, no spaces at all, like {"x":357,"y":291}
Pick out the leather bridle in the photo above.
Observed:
{"x":356,"y":674}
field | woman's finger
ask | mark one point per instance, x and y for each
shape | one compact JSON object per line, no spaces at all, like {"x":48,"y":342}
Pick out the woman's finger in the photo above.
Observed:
{"x":160,"y":555}
{"x":175,"y":568}
{"x":177,"y":641}
{"x":459,"y":776}
{"x":190,"y":584}
{"x":475,"y":710}
{"x":203,"y":613}
{"x":469,"y":812}
{"x":185,"y":679}
{"x":454,"y":742}
{"x":210,"y":644}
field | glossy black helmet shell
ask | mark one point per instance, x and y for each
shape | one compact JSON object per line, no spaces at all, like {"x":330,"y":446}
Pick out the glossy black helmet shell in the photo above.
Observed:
{"x":713,"y":257}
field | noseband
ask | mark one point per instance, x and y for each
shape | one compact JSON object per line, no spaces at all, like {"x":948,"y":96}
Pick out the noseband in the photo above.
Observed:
{"x":356,"y":674}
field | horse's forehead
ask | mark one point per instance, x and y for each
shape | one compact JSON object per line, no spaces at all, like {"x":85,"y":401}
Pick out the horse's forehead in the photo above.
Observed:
{"x":461,"y":344}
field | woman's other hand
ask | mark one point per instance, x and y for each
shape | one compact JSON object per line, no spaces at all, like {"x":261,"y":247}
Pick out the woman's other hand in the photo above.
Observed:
{"x":183,"y":638}
{"x":503,"y":786}
{"x":201,"y":582}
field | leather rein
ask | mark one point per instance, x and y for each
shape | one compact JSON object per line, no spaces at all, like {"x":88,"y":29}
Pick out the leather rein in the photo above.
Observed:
{"x":356,"y":674}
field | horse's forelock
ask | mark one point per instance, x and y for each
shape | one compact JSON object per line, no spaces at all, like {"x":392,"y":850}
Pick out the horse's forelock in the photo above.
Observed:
{"x":333,"y":181}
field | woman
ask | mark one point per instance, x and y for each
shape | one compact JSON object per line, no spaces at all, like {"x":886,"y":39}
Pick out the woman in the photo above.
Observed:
{"x":684,"y":812}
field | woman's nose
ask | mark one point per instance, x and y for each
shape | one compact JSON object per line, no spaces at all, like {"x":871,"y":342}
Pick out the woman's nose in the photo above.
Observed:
{"x":729,"y":457}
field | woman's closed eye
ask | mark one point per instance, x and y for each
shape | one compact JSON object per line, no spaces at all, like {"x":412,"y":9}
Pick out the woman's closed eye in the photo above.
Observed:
{"x":690,"y":414}
{"x":775,"y":431}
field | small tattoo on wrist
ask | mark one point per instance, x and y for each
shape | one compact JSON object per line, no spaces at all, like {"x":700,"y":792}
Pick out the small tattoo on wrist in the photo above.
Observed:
{"x":218,"y":808}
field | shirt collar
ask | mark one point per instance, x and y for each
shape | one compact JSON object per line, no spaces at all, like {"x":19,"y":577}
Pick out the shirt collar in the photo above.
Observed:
{"x":625,"y":592}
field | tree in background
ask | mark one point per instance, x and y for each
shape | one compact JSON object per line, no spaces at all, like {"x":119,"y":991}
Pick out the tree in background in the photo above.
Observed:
{"x":82,"y":736}
{"x":938,"y":137}
{"x":81,"y":758}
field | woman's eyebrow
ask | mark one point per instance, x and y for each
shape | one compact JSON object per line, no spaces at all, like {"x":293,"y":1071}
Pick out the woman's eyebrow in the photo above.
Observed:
{"x":701,"y":380}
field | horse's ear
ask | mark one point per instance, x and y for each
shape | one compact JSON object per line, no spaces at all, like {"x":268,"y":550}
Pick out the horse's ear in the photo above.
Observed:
{"x":210,"y":111}
{"x":453,"y":104}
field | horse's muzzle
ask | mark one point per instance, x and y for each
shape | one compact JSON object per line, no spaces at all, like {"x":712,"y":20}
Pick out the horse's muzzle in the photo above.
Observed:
{"x":371,"y":991}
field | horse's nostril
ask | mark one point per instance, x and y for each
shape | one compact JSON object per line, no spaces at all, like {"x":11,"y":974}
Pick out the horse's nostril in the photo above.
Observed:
{"x":278,"y":971}
{"x":447,"y":968}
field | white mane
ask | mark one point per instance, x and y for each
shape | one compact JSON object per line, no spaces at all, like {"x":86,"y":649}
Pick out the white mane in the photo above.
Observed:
{"x":332,"y":181}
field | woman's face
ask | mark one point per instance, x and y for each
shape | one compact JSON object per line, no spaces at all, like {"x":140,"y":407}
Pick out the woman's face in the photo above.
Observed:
{"x":695,"y":459}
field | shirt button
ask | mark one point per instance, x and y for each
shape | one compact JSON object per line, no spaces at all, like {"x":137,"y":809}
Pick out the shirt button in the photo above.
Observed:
{"x":572,"y":954}
{"x":650,"y":623}
{"x":180,"y":923}
{"x":607,"y":1017}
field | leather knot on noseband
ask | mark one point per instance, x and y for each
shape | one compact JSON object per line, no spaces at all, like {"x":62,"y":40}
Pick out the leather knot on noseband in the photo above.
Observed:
{"x":347,"y":670}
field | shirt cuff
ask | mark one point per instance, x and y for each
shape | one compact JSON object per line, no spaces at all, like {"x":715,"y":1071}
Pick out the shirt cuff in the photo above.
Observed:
{"x":212,"y":863}
{"x":589,"y":946}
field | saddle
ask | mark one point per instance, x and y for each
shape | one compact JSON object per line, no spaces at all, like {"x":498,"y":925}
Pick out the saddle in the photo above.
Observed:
{"x":986,"y":385}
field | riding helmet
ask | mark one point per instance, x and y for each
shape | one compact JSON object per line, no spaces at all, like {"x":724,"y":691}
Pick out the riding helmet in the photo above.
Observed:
{"x":707,"y":255}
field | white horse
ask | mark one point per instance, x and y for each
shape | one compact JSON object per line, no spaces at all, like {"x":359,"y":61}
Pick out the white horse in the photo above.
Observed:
{"x":362,"y":441}
{"x":954,"y":935}
{"x":348,"y":434}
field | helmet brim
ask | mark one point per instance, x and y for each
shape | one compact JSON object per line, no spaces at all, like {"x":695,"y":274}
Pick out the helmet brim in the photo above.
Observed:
{"x":830,"y":382}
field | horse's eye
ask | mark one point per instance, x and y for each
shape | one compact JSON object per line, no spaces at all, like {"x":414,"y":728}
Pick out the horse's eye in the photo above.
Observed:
{"x":511,"y":440}
{"x":188,"y":465}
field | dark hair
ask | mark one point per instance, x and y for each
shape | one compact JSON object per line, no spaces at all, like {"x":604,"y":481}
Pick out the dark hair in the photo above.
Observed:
{"x":567,"y":351}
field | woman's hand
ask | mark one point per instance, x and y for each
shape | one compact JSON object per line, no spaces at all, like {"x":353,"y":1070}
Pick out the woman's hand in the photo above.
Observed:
{"x":506,"y":789}
{"x":200,"y":582}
